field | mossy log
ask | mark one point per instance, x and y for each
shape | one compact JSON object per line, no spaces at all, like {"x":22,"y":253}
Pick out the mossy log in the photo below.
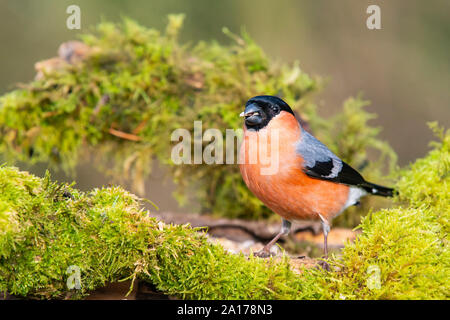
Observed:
{"x":46,"y":227}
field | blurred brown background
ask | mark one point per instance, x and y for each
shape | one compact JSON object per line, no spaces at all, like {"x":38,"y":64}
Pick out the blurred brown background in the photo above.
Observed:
{"x":404,"y":68}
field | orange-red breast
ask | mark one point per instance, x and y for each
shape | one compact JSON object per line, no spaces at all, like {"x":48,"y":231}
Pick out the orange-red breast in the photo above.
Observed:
{"x":306,"y":181}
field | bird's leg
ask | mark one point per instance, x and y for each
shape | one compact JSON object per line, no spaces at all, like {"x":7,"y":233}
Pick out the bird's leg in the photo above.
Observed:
{"x":326,"y":230}
{"x":265,"y":252}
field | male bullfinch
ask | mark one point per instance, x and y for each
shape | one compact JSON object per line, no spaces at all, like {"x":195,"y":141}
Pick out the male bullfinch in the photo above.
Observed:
{"x":309,"y":181}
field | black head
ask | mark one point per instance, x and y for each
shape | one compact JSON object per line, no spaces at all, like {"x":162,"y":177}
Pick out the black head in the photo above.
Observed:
{"x":260,"y":110}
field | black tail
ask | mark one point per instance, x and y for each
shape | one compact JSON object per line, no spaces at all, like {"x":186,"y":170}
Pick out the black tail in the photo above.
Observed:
{"x":377,"y":190}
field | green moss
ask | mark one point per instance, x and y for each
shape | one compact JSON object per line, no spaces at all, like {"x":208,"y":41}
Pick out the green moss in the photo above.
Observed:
{"x":46,"y":227}
{"x":143,"y":82}
{"x":408,"y":244}
{"x":426,"y":183}
{"x":110,"y":238}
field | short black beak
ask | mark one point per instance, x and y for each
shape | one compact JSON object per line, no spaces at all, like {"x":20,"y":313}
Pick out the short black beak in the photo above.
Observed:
{"x":252,"y":114}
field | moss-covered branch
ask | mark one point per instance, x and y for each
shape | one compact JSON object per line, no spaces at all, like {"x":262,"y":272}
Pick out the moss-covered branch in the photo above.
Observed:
{"x":46,"y":227}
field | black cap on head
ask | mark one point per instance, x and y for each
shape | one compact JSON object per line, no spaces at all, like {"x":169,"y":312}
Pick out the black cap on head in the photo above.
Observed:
{"x":260,"y":110}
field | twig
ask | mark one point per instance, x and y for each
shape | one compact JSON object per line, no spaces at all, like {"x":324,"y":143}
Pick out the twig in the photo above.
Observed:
{"x":124,"y":135}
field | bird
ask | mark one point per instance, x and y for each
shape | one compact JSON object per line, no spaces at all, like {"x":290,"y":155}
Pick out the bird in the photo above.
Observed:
{"x":309,"y":181}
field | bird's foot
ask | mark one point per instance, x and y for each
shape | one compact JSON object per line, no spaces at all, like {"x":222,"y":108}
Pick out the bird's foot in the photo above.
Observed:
{"x":324,"y":265}
{"x":263,"y":253}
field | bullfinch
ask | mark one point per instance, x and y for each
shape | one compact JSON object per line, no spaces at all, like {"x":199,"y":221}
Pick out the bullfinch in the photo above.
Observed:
{"x":308,"y":182}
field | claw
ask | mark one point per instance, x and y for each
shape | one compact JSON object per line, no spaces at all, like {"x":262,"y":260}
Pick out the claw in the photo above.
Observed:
{"x":263,"y":254}
{"x":324,"y":265}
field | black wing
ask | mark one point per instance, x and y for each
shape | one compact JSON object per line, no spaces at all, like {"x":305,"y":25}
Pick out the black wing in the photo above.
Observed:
{"x":324,"y":170}
{"x":320,"y":163}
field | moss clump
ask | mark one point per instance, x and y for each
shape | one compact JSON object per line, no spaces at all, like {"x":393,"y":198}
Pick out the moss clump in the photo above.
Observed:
{"x":408,"y":244}
{"x":46,"y":227}
{"x":120,"y":94}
